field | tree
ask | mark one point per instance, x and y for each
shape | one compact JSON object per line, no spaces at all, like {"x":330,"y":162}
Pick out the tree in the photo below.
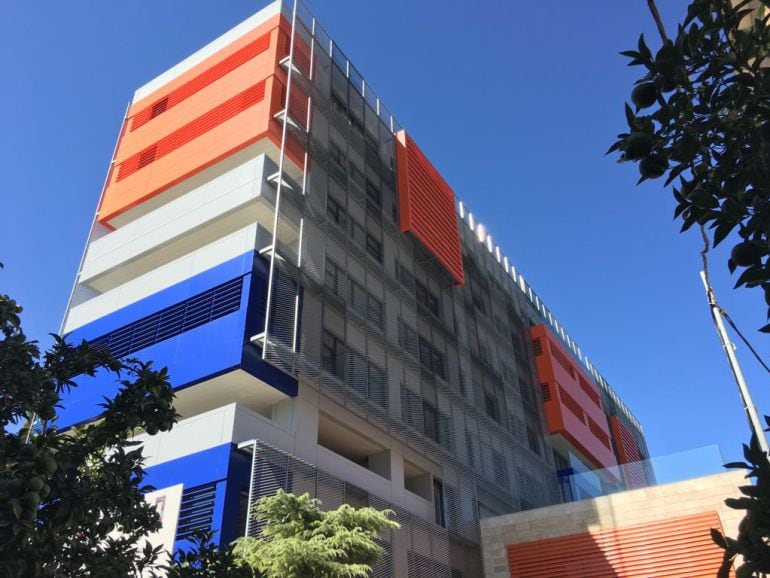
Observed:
{"x":753,"y":540}
{"x":706,"y":127}
{"x":204,"y":560}
{"x":72,"y":505}
{"x":300,"y":541}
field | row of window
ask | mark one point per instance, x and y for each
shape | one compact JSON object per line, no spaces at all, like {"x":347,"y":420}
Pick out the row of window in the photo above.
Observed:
{"x":422,"y":416}
{"x":365,"y":377}
{"x":337,"y":214}
{"x":424,"y":296}
{"x":352,"y":292}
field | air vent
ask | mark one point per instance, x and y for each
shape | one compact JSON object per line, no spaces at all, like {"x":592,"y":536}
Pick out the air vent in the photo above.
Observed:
{"x":196,"y":511}
{"x":193,"y":129}
{"x":172,"y":321}
{"x":546,"y":389}
{"x":159,"y":107}
{"x":201,"y":81}
{"x":537,"y":346}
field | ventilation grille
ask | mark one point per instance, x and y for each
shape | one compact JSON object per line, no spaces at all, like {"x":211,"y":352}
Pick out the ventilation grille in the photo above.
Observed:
{"x":196,"y":511}
{"x":537,"y":346}
{"x":546,"y":389}
{"x":172,"y":321}
{"x":573,"y":406}
{"x":589,"y":391}
{"x":600,"y":434}
{"x":193,"y":130}
{"x":201,"y":81}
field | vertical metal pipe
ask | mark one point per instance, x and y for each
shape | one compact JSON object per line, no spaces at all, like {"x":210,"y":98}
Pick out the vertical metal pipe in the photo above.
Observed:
{"x":743,"y":389}
{"x":268,"y":302}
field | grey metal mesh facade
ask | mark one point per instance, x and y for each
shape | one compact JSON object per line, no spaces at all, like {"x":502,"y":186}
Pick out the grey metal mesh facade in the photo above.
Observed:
{"x":364,"y":316}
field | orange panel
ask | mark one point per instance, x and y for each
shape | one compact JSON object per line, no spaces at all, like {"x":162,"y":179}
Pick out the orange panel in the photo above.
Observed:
{"x":215,"y":109}
{"x":670,"y":548}
{"x":427,"y":206}
{"x":628,"y":454}
{"x":571,"y":400}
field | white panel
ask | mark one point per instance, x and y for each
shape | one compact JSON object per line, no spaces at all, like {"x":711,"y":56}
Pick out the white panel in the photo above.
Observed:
{"x":197,"y":218}
{"x":158,"y":279}
{"x":212,"y":48}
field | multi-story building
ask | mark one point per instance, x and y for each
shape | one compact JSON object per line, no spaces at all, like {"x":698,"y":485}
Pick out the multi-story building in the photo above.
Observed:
{"x":332,"y":318}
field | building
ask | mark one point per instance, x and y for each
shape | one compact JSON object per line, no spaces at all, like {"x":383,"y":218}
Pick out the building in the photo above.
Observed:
{"x":333,"y":319}
{"x":658,"y":531}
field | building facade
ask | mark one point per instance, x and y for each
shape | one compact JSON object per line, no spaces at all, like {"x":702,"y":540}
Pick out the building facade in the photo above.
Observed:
{"x":332,"y":318}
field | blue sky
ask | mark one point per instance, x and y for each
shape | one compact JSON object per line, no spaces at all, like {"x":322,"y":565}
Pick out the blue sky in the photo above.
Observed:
{"x":514,"y":102}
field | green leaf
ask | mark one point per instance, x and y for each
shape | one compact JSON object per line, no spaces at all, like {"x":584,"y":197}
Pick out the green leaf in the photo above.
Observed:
{"x":643,"y":50}
{"x":718,"y":538}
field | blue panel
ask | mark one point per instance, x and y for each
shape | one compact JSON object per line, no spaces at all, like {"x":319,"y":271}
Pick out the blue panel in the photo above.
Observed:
{"x":239,"y":477}
{"x":190,"y":357}
{"x":231,"y":269}
{"x":204,"y":467}
{"x":223,"y":465}
{"x":204,"y":352}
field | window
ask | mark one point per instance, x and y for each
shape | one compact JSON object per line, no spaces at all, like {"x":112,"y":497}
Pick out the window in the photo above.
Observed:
{"x":335,"y":278}
{"x":499,"y":468}
{"x":430,"y":421}
{"x":375,"y":311}
{"x":356,"y":372}
{"x":404,"y":276}
{"x":378,"y":391}
{"x":358,"y":234}
{"x":469,"y":450}
{"x":427,"y":299}
{"x":438,"y":502}
{"x":357,"y":178}
{"x":374,"y":247}
{"x":532,"y":440}
{"x":336,"y":213}
{"x":445,"y":432}
{"x":337,"y":165}
{"x":438,"y":364}
{"x":491,"y":406}
{"x":431,"y":359}
{"x":358,"y":298}
{"x":333,"y":354}
{"x":373,"y":194}
{"x":407,"y":338}
{"x":426,"y":354}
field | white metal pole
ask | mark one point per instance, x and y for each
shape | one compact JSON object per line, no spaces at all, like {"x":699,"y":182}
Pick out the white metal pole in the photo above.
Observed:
{"x":743,"y":389}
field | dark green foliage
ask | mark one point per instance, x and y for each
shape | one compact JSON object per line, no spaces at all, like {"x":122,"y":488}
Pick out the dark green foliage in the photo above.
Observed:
{"x":708,"y":94}
{"x":754,"y":530}
{"x":72,"y":505}
{"x":204,"y":560}
{"x":301,"y":541}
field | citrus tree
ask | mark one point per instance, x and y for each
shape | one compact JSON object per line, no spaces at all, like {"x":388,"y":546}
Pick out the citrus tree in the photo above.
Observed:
{"x":700,"y":118}
{"x":72,"y":504}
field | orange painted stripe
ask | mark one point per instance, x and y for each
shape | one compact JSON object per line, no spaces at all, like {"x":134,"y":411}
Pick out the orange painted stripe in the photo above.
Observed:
{"x":193,"y":130}
{"x":193,"y":85}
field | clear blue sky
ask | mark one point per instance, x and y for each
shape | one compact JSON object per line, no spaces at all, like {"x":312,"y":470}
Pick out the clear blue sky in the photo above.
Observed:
{"x":514,"y":102}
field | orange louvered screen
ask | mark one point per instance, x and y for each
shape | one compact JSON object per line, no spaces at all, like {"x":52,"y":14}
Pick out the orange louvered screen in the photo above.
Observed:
{"x":192,"y":130}
{"x":628,"y":454}
{"x":573,"y":408}
{"x":192,"y":86}
{"x":670,"y":548}
{"x":427,"y":206}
